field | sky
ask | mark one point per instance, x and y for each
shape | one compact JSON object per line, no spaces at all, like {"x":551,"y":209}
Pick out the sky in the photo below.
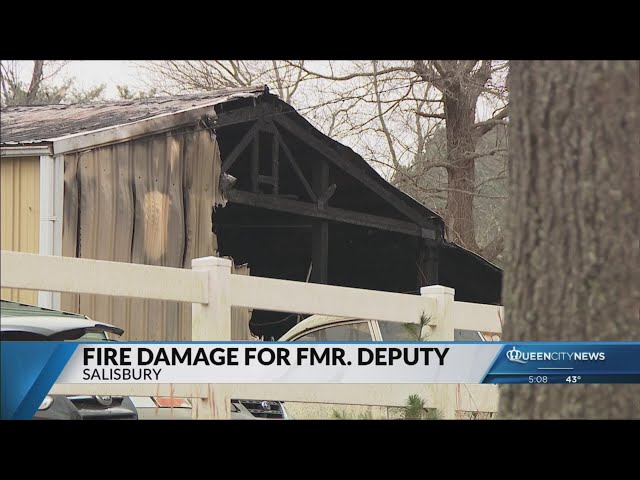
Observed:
{"x":111,"y":72}
{"x":89,"y":73}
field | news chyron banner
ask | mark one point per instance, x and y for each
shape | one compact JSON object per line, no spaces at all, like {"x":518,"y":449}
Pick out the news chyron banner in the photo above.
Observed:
{"x":30,"y":369}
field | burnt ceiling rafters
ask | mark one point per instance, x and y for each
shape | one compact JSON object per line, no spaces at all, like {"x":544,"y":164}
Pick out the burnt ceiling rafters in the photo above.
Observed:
{"x":326,"y":196}
{"x":241,"y":146}
{"x":337,"y":159}
{"x":286,"y":205}
{"x":270,"y":118}
{"x":296,"y":168}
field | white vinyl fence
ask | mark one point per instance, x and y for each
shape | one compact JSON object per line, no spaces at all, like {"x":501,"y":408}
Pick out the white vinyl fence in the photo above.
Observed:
{"x":213,"y":290}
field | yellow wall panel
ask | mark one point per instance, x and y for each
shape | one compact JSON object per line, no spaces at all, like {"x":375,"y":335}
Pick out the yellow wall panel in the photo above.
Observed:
{"x":20,"y":213}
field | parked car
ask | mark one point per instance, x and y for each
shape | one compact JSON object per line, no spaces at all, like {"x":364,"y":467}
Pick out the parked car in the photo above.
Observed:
{"x":22,"y":322}
{"x":167,"y":408}
{"x":323,"y":328}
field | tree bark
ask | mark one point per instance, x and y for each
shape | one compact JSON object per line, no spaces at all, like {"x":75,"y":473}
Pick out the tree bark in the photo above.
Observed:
{"x":573,"y":224}
{"x":36,"y":80}
{"x":460,"y":112}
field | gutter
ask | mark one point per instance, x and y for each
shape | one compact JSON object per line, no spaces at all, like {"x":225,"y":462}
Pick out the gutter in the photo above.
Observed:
{"x":26,"y":150}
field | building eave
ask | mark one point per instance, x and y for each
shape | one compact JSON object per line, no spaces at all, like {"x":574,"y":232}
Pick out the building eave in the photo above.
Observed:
{"x":26,"y":150}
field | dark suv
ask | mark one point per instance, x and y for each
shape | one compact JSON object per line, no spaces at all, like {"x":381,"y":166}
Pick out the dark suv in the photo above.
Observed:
{"x":21,"y":322}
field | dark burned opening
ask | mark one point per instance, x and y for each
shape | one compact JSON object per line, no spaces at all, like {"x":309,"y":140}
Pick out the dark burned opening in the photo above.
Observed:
{"x":279,"y":244}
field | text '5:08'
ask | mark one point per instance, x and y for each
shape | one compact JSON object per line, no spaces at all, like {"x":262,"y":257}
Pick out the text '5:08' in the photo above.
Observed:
{"x":537,"y":379}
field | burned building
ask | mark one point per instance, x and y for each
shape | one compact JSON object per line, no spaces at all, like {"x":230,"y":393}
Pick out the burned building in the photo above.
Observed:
{"x":235,"y":173}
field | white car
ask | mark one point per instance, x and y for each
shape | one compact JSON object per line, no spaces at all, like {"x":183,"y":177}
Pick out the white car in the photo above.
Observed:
{"x":323,"y":328}
{"x":23,"y":322}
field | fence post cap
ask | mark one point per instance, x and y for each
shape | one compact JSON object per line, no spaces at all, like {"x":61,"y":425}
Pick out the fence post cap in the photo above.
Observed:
{"x":210,"y":262}
{"x":437,"y":290}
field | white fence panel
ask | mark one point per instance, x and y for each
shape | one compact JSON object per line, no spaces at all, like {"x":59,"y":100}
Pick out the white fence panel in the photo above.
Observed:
{"x":212,"y":289}
{"x":81,"y":275}
{"x":311,"y":298}
{"x":479,"y":317}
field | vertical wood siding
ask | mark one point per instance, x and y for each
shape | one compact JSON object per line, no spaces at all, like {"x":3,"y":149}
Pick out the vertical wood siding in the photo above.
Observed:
{"x":147,"y":201}
{"x":20,"y":213}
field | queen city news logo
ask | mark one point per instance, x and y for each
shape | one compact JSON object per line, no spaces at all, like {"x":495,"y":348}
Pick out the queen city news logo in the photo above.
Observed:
{"x":518,"y":356}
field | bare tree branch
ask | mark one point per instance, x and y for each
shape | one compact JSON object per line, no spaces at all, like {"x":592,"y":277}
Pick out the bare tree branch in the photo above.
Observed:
{"x":441,"y":116}
{"x":498,"y":119}
{"x":352,"y":75}
{"x":387,"y":135}
{"x":488,"y":153}
{"x":494,"y":248}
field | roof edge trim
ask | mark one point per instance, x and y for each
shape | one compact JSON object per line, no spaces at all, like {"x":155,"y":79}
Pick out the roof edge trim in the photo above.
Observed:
{"x":128,"y":131}
{"x":33,"y":150}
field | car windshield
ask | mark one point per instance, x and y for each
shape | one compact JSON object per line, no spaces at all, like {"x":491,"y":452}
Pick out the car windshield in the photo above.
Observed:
{"x":399,"y":332}
{"x":100,"y":336}
{"x":410,"y":332}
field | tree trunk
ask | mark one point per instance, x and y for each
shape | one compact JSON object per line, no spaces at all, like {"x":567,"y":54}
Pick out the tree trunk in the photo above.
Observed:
{"x":460,"y":112}
{"x":573,"y":229}
{"x":36,"y":80}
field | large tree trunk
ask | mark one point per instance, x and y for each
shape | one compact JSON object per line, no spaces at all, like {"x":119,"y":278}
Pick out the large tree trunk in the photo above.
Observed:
{"x":36,"y":80}
{"x":573,"y":274}
{"x":460,"y":112}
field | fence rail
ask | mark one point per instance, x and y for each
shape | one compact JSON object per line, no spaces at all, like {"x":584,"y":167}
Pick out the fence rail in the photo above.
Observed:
{"x":310,"y":298}
{"x":30,"y":271}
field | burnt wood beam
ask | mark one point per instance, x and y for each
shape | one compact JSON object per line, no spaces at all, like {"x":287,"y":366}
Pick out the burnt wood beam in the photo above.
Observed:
{"x":241,"y":115}
{"x":427,"y":262}
{"x":268,"y":126}
{"x":320,"y":233}
{"x":240,"y":146}
{"x":296,"y":168}
{"x":275,"y":161}
{"x":320,"y":252}
{"x":433,"y":261}
{"x":255,"y":163}
{"x":293,"y":226}
{"x":320,"y":177}
{"x":267,"y":179}
{"x":352,"y":169}
{"x":326,"y":196}
{"x":306,"y":209}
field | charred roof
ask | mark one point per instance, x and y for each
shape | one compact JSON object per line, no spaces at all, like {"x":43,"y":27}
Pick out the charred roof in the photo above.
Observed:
{"x":29,"y":124}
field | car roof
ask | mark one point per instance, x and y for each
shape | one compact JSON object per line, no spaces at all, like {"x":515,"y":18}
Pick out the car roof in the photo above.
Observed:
{"x":314,"y":321}
{"x":21,"y":317}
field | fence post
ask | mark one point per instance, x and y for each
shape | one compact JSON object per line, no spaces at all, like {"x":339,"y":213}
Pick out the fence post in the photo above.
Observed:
{"x":441,"y":329}
{"x":212,"y":322}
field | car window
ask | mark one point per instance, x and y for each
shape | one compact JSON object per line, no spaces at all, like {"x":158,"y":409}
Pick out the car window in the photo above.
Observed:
{"x":21,"y":337}
{"x":348,"y":332}
{"x":467,"y":336}
{"x":409,"y":332}
{"x":100,"y":336}
{"x":399,"y":332}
